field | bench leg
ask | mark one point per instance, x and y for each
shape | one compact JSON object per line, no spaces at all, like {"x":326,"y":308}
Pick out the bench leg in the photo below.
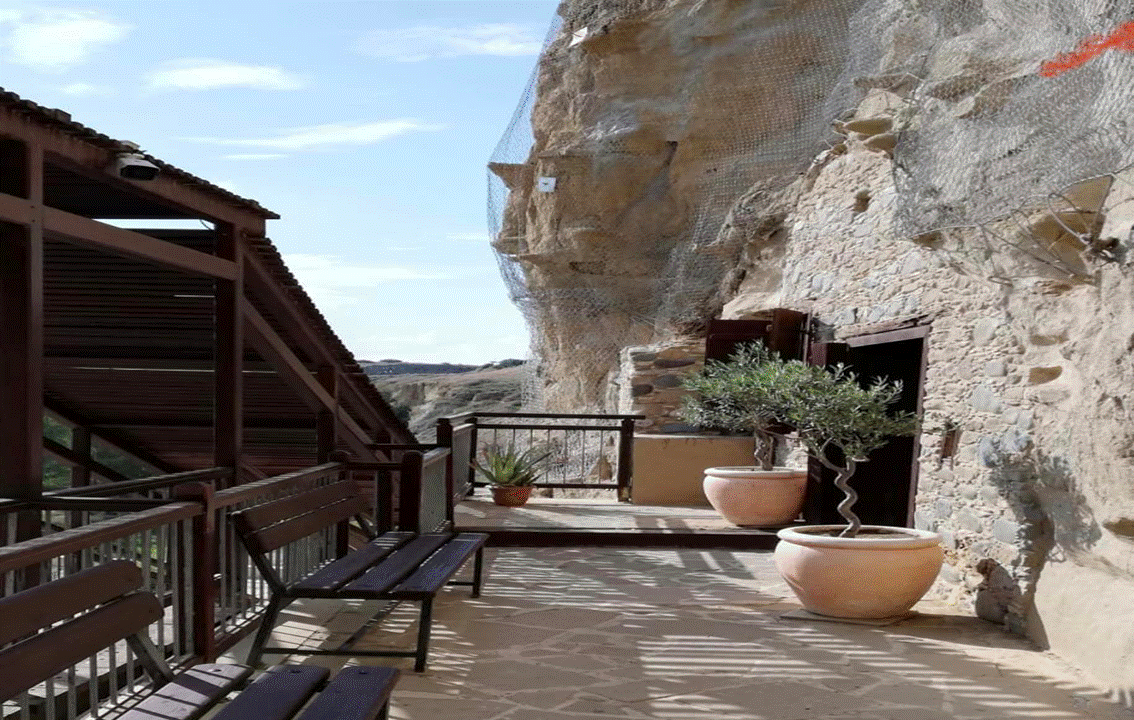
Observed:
{"x":265,"y":630}
{"x":478,"y":567}
{"x":424,"y":623}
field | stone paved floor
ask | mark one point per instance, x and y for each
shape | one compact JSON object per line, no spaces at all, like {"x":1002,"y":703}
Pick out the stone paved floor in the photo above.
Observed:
{"x":695,"y":635}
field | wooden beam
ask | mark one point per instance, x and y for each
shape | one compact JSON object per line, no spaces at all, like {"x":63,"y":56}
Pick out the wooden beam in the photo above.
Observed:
{"x":296,"y":375}
{"x":228,"y":378}
{"x":21,"y":353}
{"x":84,"y":231}
{"x":76,"y":459}
{"x":96,"y":161}
{"x":261,"y":282}
{"x":327,"y":422}
{"x":107,"y":437}
{"x":81,"y":445}
{"x":16,"y":210}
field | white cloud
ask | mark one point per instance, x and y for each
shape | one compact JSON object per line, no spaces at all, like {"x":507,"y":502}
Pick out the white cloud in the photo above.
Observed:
{"x":56,"y":40}
{"x":327,"y":135}
{"x":253,"y":156}
{"x":333,"y":282}
{"x":82,"y":89}
{"x":426,"y":41}
{"x":204,"y":74}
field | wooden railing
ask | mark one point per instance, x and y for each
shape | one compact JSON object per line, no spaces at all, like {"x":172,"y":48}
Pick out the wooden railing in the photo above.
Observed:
{"x":585,"y":451}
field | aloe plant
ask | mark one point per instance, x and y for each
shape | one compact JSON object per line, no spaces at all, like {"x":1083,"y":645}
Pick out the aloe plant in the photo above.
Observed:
{"x":506,"y":466}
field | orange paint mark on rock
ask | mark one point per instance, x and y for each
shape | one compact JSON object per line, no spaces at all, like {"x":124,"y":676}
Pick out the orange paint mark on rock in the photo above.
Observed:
{"x":1121,"y":39}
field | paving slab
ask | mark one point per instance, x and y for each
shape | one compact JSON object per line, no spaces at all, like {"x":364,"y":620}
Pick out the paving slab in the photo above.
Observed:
{"x":584,"y":633}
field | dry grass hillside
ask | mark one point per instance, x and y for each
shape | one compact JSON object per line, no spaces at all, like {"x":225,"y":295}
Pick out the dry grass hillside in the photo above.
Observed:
{"x":422,"y":397}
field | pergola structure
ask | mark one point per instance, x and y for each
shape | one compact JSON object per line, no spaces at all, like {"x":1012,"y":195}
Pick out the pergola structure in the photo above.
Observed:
{"x":187,"y":349}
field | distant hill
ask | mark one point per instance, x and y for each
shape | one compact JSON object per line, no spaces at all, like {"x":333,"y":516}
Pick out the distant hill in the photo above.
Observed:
{"x":420,"y":397}
{"x":397,"y":367}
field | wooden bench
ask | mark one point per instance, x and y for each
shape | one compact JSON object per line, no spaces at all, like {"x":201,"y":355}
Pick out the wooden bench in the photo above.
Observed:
{"x":60,"y":624}
{"x":402,"y":566}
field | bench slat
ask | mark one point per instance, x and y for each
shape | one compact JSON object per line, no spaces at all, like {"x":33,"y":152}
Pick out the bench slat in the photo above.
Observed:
{"x":377,"y":581}
{"x":276,"y":695}
{"x":442,"y":565}
{"x":328,"y":578}
{"x":26,"y":612}
{"x":356,"y":693}
{"x":269,"y":513}
{"x":28,"y":663}
{"x":299,"y":527}
{"x":189,"y":695}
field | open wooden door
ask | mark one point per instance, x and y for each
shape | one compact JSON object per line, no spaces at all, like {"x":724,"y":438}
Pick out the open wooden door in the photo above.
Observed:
{"x":887,"y":483}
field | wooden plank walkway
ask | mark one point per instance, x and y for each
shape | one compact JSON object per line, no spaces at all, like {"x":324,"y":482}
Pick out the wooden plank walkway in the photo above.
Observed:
{"x":553,"y":522}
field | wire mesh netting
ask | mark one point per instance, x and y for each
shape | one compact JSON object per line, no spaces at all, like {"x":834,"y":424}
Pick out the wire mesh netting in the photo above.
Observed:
{"x":647,"y":124}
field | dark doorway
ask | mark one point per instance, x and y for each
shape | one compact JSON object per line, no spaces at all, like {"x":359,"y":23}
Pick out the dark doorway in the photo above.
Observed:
{"x":887,"y":483}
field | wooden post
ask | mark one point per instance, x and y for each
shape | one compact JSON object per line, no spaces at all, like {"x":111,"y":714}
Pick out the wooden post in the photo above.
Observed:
{"x":202,"y":581}
{"x":326,"y":422}
{"x":21,"y":353}
{"x":625,"y":458}
{"x":445,"y":439}
{"x":409,"y":492}
{"x":228,"y":407}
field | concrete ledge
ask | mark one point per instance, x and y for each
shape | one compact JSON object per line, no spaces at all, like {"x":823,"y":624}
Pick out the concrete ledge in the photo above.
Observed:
{"x":668,"y":469}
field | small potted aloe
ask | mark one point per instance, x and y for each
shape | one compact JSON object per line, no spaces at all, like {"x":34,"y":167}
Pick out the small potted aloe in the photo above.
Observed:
{"x":748,"y":394}
{"x":510,"y":472}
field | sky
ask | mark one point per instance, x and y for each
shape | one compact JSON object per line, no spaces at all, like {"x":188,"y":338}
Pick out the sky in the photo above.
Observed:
{"x":366,"y":125}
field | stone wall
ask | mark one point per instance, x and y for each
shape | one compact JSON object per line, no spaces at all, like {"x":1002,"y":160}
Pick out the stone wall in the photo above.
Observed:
{"x":1031,"y":320}
{"x":1030,"y":370}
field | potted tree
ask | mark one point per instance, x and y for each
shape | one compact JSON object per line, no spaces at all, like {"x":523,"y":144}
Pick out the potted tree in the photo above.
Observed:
{"x":851,"y":570}
{"x":510,"y":472}
{"x":748,"y":394}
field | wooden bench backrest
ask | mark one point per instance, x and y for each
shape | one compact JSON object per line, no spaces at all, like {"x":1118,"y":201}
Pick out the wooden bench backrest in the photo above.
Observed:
{"x":119,"y":612}
{"x":272,"y":525}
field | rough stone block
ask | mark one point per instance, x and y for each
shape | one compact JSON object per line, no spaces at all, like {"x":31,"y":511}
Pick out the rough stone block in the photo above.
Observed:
{"x":943,"y":509}
{"x":643,"y":356}
{"x":668,"y":381}
{"x":674,"y":362}
{"x":984,"y":330}
{"x":1006,"y":531}
{"x":986,"y":399}
{"x":996,"y":368}
{"x":966,"y":521}
{"x":640,"y":390}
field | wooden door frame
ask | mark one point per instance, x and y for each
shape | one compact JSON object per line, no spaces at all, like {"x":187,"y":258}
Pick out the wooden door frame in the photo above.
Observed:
{"x":914,"y":332}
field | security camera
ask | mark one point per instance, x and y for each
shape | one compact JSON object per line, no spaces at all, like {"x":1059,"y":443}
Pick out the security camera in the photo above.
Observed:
{"x":134,"y":166}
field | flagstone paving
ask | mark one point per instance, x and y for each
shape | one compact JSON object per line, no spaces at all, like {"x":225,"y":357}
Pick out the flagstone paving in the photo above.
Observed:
{"x":585,"y":633}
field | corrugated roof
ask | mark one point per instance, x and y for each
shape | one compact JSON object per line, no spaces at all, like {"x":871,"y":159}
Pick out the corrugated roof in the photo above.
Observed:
{"x":61,"y":120}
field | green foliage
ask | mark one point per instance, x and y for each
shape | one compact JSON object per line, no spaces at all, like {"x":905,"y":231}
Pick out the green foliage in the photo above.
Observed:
{"x":758,"y":391}
{"x":750,"y":393}
{"x":505,"y":466}
{"x":830,"y":408}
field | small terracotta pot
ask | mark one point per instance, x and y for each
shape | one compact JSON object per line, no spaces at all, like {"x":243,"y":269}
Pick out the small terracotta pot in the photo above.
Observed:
{"x":511,"y":495}
{"x":751,"y":496}
{"x":879,"y":574}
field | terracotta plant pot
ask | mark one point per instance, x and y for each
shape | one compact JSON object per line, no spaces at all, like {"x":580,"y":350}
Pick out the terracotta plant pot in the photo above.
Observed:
{"x":511,"y":495}
{"x":879,"y":574}
{"x":751,"y":496}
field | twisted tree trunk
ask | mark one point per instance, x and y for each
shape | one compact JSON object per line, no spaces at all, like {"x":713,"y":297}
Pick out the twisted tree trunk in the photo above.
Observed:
{"x":844,"y":474}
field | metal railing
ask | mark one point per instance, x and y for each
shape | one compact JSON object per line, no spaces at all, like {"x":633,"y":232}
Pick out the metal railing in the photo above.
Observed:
{"x":585,"y":451}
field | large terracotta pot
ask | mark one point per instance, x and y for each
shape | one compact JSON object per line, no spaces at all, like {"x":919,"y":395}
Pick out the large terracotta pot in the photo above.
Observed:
{"x":879,"y":574}
{"x":751,"y":496}
{"x":511,"y":495}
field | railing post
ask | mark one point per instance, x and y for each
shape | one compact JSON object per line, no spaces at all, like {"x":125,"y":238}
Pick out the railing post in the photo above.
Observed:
{"x":470,"y":476}
{"x":445,"y":439}
{"x":342,"y":529}
{"x":409,"y":492}
{"x":204,"y":568}
{"x":625,"y":458}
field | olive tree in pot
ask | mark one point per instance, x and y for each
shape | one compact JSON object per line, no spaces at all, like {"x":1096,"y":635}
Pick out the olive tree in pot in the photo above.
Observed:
{"x":748,"y":394}
{"x":852,"y":570}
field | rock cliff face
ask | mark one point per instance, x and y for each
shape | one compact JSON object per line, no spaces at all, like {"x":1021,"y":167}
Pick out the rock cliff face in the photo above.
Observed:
{"x":674,"y":132}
